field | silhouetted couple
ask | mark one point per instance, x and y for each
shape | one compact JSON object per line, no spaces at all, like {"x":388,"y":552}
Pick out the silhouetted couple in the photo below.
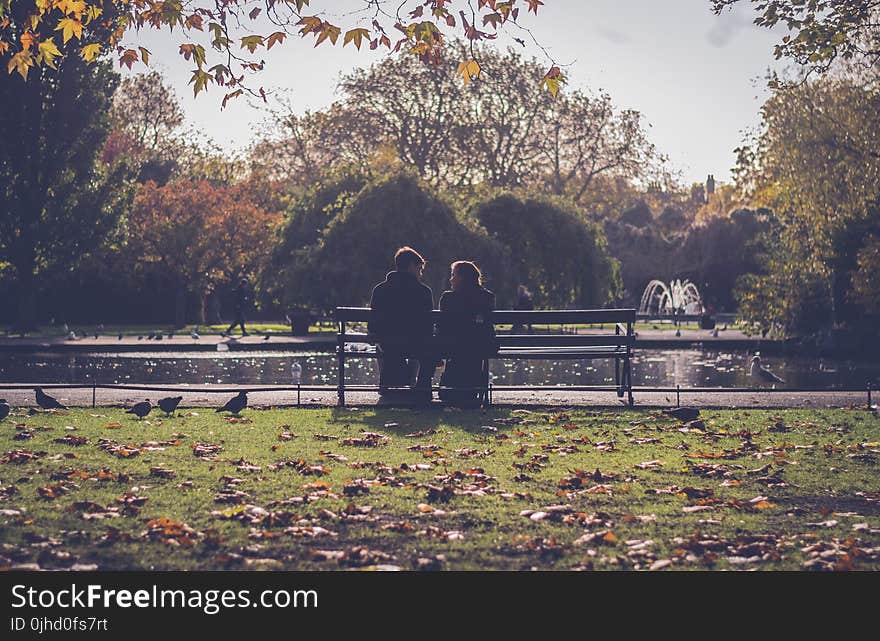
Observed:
{"x":402,"y":323}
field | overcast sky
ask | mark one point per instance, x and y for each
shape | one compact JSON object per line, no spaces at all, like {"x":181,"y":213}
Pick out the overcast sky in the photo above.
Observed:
{"x":698,"y":79}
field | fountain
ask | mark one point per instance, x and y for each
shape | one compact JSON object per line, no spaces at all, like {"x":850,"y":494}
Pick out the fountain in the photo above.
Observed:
{"x":680,"y":297}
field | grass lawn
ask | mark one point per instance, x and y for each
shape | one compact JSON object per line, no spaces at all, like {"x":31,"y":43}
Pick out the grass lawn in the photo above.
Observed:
{"x":508,"y":489}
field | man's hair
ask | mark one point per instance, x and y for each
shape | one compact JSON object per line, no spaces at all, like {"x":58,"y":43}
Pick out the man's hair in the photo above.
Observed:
{"x":407,"y":256}
{"x":468,"y":272}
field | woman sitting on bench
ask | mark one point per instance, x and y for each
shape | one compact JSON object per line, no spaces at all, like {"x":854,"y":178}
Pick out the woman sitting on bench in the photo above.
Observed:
{"x":467,"y":326}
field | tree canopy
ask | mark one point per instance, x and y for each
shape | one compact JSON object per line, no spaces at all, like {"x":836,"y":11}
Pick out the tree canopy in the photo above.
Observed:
{"x":820,"y":31}
{"x":58,"y":200}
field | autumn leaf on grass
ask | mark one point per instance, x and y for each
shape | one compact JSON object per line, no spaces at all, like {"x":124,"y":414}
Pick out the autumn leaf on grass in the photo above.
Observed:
{"x":21,"y":456}
{"x":206,"y":451}
{"x":50,"y":492}
{"x":161,"y":472}
{"x":113,"y":426}
{"x":171,"y":532}
{"x":649,"y":464}
{"x":368,"y":439}
{"x":420,"y":433}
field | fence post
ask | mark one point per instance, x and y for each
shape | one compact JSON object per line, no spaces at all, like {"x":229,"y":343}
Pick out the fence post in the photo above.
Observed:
{"x":297,"y":394}
{"x":869,"y":394}
{"x":94,"y":387}
{"x":677,"y":395}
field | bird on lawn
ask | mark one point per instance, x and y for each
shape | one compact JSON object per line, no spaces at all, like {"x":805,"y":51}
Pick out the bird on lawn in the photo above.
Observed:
{"x":235,"y":404}
{"x":683,"y":414}
{"x":140,"y":409}
{"x":4,"y":409}
{"x":169,"y":404}
{"x":47,"y":402}
{"x":762,"y":374}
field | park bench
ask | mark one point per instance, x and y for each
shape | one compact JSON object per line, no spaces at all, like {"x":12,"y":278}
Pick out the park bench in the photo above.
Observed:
{"x":615,"y":339}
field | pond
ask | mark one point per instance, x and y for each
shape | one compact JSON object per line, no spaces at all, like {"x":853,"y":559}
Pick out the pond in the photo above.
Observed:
{"x":651,"y":367}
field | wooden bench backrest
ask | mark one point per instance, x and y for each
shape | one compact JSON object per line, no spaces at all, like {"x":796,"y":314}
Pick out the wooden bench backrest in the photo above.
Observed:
{"x":511,"y":317}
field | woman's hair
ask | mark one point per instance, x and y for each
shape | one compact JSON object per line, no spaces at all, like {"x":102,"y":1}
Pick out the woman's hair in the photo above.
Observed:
{"x":468,"y":272}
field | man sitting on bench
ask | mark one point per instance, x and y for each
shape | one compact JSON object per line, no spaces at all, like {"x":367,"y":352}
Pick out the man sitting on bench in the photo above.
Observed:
{"x":401,"y":321}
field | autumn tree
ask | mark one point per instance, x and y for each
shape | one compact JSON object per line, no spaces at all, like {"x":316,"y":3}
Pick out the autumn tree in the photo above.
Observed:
{"x":226,"y":41}
{"x":355,"y":249}
{"x":58,"y":200}
{"x":816,"y":165}
{"x":201,"y":233}
{"x":820,"y":32}
{"x":563,"y":260}
{"x":147,"y":119}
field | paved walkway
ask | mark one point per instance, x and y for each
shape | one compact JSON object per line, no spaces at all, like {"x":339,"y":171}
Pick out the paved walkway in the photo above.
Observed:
{"x":216,"y":395}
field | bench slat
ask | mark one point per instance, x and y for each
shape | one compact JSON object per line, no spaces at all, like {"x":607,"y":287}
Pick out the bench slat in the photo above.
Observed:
{"x":510,"y":317}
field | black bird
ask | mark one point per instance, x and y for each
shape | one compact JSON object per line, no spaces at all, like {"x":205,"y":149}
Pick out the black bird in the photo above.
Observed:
{"x":4,"y":409}
{"x":120,"y":335}
{"x":169,"y":404}
{"x":235,"y":404}
{"x":266,"y":337}
{"x":47,"y":402}
{"x":140,"y":409}
{"x":683,"y":414}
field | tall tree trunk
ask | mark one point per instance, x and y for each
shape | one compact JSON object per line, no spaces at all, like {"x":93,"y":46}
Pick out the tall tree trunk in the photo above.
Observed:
{"x":180,"y":306}
{"x":26,"y":312}
{"x":203,"y":306}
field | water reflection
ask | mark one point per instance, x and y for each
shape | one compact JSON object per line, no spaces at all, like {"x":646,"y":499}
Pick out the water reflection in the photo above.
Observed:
{"x":651,"y":367}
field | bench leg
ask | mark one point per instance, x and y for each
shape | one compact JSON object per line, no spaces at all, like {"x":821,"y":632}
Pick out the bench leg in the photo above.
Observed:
{"x":627,"y":375}
{"x":617,"y":382}
{"x":487,"y":397}
{"x":340,"y":374}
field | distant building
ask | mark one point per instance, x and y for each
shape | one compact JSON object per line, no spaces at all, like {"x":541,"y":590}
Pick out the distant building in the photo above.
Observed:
{"x":710,"y":186}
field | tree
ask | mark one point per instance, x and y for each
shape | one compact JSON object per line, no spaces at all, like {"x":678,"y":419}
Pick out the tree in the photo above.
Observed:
{"x":423,"y":124}
{"x":563,"y":260}
{"x":821,"y":31}
{"x":583,"y":137}
{"x":202,"y":234}
{"x":59,"y":202}
{"x":816,"y":165}
{"x":224,"y":30}
{"x":866,"y":286}
{"x":355,"y":249}
{"x":146,"y":119}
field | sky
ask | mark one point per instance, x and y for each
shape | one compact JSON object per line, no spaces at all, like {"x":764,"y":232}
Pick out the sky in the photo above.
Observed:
{"x":698,"y":79}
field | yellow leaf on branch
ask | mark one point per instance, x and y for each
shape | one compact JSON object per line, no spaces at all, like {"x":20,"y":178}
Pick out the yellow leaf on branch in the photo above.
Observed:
{"x":48,"y":53}
{"x":21,"y":62}
{"x":468,"y":69}
{"x":356,"y":36}
{"x":90,"y":52}
{"x":70,"y":27}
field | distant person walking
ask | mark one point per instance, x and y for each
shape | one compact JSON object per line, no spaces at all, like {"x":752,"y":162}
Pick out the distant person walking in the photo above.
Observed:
{"x":242,"y":297}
